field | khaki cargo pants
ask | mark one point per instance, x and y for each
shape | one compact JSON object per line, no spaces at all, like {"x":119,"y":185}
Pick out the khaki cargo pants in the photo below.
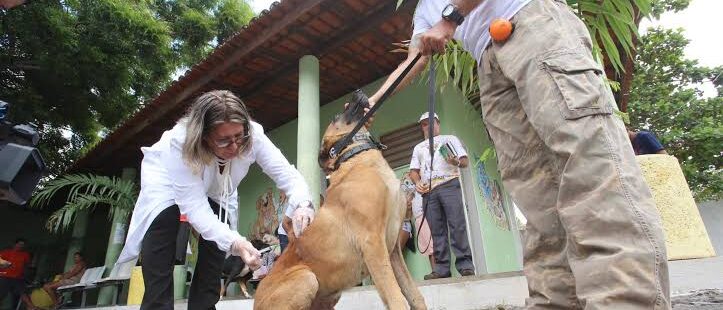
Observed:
{"x":594,"y":239}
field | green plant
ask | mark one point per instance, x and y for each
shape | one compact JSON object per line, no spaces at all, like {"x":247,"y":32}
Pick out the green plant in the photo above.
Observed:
{"x":612,"y":23}
{"x":85,"y":192}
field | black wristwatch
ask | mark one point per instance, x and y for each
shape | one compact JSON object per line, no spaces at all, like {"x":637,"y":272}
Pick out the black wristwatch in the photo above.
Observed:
{"x":451,"y":13}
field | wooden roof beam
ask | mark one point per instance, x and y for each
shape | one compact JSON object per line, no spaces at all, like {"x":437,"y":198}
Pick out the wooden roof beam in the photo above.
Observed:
{"x":333,"y":44}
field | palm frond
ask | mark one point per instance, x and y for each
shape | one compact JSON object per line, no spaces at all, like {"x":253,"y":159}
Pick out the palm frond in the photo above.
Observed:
{"x":612,"y":26}
{"x":85,"y":192}
{"x":455,"y":67}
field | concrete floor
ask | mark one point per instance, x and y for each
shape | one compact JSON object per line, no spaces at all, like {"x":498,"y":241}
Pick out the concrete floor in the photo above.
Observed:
{"x":695,"y":284}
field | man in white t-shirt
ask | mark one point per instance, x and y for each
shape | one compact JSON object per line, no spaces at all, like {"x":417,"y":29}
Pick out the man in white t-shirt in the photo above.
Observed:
{"x":594,"y":238}
{"x":443,"y":198}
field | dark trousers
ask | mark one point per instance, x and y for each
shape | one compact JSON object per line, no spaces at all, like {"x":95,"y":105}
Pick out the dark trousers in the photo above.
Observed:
{"x":445,"y":208}
{"x":13,"y":287}
{"x":158,"y":256}
{"x":283,"y":242}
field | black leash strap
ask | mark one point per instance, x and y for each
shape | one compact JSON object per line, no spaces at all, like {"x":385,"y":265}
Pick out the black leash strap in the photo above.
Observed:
{"x":344,"y":142}
{"x":430,"y":134}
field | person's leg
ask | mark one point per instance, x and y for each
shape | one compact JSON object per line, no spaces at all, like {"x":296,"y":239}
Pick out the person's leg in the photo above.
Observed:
{"x":614,"y":239}
{"x":450,"y":196}
{"x":438,"y":227}
{"x":50,"y":289}
{"x":402,"y":238}
{"x":206,"y":284}
{"x":17,"y":291}
{"x":27,"y":302}
{"x":157,"y":252}
{"x":530,"y":175}
{"x":204,"y":291}
{"x":4,"y":288}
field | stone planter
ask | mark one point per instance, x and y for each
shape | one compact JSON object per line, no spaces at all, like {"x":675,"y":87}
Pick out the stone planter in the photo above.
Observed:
{"x":685,"y":234}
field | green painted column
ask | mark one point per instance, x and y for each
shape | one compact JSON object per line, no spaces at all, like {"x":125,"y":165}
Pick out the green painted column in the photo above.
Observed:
{"x":77,"y":237}
{"x":308,"y":135}
{"x":116,"y":239}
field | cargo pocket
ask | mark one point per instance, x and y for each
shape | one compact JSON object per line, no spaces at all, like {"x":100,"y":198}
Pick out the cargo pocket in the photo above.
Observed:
{"x":580,"y":83}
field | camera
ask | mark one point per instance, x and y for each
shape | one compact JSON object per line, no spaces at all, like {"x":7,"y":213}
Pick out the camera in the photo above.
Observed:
{"x":21,"y":165}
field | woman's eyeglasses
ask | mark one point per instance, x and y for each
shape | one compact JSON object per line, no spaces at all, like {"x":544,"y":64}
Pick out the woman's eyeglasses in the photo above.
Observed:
{"x":239,"y":140}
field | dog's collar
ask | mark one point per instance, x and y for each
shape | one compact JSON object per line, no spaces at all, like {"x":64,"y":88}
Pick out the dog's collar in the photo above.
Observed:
{"x":366,"y":142}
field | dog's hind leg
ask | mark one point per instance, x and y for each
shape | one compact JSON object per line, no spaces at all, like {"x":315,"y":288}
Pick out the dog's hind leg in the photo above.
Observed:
{"x":406,"y":283}
{"x":327,"y":303}
{"x":376,"y":258}
{"x":296,"y":292}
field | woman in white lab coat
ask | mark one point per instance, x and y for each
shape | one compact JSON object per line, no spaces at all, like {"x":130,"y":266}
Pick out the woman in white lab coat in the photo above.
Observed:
{"x":194,"y":169}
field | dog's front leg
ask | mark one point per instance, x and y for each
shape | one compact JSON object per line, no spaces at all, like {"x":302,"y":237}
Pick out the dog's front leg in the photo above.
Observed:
{"x":244,"y":289}
{"x":376,"y":257}
{"x":406,"y":283}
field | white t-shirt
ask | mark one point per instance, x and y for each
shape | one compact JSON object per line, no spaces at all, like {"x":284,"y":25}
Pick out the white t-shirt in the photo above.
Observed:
{"x":442,"y":171}
{"x":474,"y":31}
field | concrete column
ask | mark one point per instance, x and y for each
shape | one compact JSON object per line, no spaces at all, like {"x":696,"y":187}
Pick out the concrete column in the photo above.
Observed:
{"x":116,"y":239}
{"x":308,"y":135}
{"x":76,"y":239}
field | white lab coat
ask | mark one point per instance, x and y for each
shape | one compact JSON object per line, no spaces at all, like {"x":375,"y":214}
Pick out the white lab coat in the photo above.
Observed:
{"x":167,"y":180}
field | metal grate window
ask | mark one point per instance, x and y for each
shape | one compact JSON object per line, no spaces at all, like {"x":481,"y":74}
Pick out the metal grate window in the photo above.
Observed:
{"x":400,"y":144}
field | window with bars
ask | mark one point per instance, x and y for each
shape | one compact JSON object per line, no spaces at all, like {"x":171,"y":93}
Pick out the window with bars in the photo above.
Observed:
{"x":400,"y":144}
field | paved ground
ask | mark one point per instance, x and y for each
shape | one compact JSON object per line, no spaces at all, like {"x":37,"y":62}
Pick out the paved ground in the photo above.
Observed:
{"x":698,"y":300}
{"x":696,"y":284}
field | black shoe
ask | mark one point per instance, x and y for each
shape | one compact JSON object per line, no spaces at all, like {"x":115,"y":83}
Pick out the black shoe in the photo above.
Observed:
{"x":434,"y":275}
{"x":466,"y":272}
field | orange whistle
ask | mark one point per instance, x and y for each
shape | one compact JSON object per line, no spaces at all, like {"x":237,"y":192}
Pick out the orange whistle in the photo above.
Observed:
{"x":500,"y":30}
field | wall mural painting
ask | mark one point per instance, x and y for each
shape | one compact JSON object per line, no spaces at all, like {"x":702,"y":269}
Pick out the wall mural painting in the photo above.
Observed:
{"x":492,"y":192}
{"x":267,"y":219}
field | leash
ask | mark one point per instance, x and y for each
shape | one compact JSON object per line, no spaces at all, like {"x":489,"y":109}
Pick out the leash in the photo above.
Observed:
{"x":430,"y":135}
{"x":340,"y":145}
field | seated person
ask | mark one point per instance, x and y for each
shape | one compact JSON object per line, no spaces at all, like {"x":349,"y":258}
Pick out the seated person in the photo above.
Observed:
{"x":645,"y":142}
{"x":424,"y":236}
{"x":70,"y":277}
{"x":405,"y":232}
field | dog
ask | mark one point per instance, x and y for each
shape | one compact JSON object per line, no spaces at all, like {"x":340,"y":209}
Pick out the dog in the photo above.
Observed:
{"x":353,"y":236}
{"x":234,"y":268}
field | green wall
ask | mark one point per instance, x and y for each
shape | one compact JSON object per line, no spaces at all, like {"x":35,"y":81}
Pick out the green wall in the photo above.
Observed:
{"x":400,"y":110}
{"x":463,"y":121}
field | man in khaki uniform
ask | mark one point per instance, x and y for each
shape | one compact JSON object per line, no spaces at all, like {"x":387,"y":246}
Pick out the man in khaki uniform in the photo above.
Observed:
{"x":594,"y":239}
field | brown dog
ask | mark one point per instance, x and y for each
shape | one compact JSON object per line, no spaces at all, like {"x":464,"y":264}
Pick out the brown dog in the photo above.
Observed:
{"x":354,"y":234}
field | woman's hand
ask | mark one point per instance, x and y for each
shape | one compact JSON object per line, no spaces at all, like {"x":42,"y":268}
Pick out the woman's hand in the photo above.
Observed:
{"x":250,"y":255}
{"x":302,"y":217}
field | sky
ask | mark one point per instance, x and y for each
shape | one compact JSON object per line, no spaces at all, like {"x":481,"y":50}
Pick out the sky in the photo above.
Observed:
{"x":701,"y":22}
{"x":259,"y":5}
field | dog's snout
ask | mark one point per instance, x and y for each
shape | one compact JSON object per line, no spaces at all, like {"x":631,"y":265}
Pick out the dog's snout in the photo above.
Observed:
{"x":355,"y":110}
